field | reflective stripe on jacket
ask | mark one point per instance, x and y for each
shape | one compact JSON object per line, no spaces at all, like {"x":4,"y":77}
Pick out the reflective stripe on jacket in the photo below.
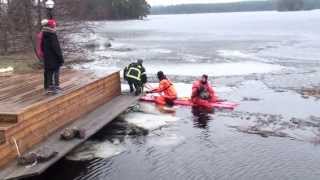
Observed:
{"x":134,"y":73}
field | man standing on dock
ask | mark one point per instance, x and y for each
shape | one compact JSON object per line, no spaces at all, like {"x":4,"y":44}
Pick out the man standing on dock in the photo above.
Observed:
{"x":136,"y":76}
{"x":53,"y":58}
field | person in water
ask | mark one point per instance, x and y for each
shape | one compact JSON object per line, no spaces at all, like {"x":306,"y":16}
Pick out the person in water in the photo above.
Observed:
{"x":136,"y":76}
{"x":166,"y":90}
{"x":202,"y":92}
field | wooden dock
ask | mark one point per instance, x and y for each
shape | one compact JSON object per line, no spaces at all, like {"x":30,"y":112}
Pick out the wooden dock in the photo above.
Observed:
{"x":35,"y":120}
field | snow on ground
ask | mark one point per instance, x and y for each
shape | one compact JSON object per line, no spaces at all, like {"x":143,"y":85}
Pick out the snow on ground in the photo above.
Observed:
{"x":5,"y":70}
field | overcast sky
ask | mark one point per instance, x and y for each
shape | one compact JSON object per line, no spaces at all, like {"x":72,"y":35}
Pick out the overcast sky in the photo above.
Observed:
{"x":173,"y":2}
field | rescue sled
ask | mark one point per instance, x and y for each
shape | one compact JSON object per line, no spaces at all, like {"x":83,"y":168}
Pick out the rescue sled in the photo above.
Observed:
{"x":187,"y":102}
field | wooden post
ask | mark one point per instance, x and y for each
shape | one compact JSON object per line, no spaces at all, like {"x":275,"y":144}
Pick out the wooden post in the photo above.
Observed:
{"x":16,"y":145}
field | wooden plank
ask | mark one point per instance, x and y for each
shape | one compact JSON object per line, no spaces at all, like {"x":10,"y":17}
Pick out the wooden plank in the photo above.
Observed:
{"x":21,"y":91}
{"x":8,"y":117}
{"x":54,"y":100}
{"x":92,"y":122}
{"x":61,"y":110}
{"x":36,"y":121}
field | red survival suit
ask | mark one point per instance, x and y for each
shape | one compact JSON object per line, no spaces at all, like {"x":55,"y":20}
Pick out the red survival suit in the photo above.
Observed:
{"x":202,"y":94}
{"x":167,"y":92}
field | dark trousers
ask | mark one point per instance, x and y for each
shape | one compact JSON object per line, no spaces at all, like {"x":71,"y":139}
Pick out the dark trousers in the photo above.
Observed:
{"x":135,"y":85}
{"x":51,"y":78}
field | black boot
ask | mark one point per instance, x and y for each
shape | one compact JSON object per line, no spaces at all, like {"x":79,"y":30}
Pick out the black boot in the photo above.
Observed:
{"x":138,"y":92}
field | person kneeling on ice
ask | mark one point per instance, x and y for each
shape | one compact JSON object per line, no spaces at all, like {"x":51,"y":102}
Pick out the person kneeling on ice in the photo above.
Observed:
{"x":136,"y":76}
{"x":166,"y":90}
{"x":202,"y":92}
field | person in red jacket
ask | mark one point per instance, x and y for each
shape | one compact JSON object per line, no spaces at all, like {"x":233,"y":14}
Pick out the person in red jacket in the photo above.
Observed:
{"x":202,"y":93}
{"x":166,"y":90}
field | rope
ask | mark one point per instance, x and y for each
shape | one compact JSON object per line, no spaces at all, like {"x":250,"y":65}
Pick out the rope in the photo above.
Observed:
{"x":16,"y":145}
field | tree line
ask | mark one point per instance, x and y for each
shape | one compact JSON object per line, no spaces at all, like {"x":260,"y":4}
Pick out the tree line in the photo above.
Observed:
{"x":297,"y":5}
{"x":20,"y":19}
{"x":115,"y":9}
{"x":279,"y":5}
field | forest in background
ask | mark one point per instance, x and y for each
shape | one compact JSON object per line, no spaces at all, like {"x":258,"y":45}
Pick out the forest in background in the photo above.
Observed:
{"x":20,"y":19}
{"x":279,"y":5}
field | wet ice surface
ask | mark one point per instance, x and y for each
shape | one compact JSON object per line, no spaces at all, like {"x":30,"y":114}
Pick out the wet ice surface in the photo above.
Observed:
{"x":221,"y":69}
{"x":206,"y":146}
{"x":250,"y":142}
{"x":273,"y":134}
{"x":287,"y":103}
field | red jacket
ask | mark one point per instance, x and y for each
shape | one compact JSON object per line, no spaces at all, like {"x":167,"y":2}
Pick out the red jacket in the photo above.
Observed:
{"x":195,"y":90}
{"x":167,"y":88}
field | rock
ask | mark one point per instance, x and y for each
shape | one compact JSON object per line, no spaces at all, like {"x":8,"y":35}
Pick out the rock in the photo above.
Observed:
{"x":295,"y":120}
{"x":27,"y":159}
{"x":107,"y":44}
{"x":250,"y":99}
{"x":42,"y":155}
{"x":79,"y":133}
{"x":45,"y":154}
{"x":137,"y":131}
{"x":91,"y":45}
{"x":314,"y":118}
{"x":311,"y":122}
{"x":280,"y":90}
{"x":305,"y":96}
{"x":313,"y":91}
{"x":68,"y":134}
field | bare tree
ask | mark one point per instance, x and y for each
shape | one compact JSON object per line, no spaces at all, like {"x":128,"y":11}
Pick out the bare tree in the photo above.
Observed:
{"x":21,"y":19}
{"x":289,"y":5}
{"x":3,"y":28}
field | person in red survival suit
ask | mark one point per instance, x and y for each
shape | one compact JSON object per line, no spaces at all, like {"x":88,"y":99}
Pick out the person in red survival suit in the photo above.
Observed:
{"x":166,"y":90}
{"x":202,"y":93}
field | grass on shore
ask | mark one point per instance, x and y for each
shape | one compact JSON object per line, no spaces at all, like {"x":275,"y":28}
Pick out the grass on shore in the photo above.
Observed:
{"x":21,"y":63}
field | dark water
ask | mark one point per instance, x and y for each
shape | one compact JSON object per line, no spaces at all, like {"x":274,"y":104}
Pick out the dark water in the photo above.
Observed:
{"x":197,"y":147}
{"x":267,"y":56}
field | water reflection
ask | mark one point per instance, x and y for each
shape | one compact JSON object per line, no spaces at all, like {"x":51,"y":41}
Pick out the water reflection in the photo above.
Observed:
{"x":201,"y":117}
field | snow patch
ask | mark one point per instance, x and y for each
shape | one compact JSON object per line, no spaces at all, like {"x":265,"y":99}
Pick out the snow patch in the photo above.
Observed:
{"x":233,"y":54}
{"x":220,"y":69}
{"x":5,"y":70}
{"x":149,"y":121}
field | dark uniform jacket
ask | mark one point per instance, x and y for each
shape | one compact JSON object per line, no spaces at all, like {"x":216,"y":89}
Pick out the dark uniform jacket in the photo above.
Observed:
{"x":53,"y":58}
{"x":135,"y":71}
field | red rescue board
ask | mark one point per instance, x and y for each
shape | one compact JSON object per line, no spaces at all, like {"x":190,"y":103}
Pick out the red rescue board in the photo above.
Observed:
{"x":187,"y":102}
